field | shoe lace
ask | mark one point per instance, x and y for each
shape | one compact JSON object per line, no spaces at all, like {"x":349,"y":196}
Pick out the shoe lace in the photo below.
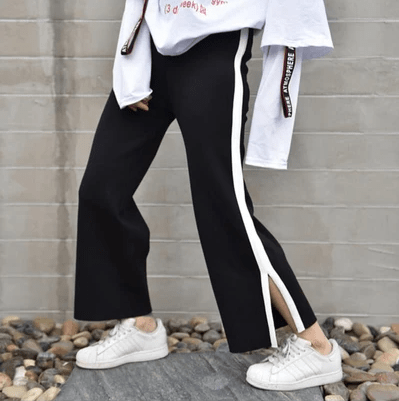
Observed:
{"x":116,"y":332}
{"x":287,"y":351}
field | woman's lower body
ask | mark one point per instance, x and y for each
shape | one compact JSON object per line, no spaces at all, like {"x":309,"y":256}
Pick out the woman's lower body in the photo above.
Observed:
{"x":206,"y":90}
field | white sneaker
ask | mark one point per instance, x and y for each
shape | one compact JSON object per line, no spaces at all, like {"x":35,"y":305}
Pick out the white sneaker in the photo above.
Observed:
{"x":125,"y":343}
{"x":296,"y":365}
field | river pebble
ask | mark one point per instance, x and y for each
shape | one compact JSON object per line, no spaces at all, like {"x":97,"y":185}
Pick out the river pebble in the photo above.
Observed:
{"x":32,"y":395}
{"x":344,"y":322}
{"x":202,"y":328}
{"x":383,"y":392}
{"x":50,"y":394}
{"x":211,"y":336}
{"x":5,"y":381}
{"x":334,"y":398}
{"x":337,"y":388}
{"x":357,"y":395}
{"x":15,"y":391}
{"x":386,"y":344}
{"x":196,"y":320}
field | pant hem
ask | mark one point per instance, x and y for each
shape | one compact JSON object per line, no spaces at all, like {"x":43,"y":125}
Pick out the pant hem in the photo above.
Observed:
{"x":91,"y":317}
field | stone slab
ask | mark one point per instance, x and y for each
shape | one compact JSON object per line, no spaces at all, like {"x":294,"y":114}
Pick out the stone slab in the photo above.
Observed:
{"x":205,"y":376}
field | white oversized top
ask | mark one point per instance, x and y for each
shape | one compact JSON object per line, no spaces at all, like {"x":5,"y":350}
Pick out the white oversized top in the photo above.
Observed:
{"x":177,"y":25}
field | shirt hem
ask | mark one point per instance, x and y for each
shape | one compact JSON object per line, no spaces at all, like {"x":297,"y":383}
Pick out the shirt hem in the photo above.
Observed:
{"x":127,"y":102}
{"x":266,"y":164}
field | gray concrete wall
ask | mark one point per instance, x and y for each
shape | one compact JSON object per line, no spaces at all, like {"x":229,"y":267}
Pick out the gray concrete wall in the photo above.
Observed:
{"x":335,"y":210}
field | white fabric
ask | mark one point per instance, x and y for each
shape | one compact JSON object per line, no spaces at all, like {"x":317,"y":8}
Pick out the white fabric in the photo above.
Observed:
{"x":298,"y":23}
{"x":132,"y":73}
{"x":270,"y":134}
{"x":176,"y":26}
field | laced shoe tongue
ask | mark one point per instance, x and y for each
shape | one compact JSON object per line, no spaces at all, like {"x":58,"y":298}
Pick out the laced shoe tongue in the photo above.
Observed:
{"x":130,"y":322}
{"x":302,"y":341}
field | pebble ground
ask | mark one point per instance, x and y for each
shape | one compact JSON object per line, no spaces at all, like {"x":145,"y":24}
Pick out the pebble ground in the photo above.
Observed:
{"x":37,"y":356}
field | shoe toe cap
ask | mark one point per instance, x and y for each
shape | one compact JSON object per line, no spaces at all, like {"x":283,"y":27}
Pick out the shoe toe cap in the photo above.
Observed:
{"x":87,"y":355}
{"x":259,"y":372}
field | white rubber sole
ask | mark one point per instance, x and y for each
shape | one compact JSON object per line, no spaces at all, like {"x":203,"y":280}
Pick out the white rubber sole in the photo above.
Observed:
{"x":320,"y":380}
{"x":137,"y":356}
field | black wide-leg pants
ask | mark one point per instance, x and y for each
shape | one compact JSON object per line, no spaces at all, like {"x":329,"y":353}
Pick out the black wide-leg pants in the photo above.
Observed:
{"x":206,"y":90}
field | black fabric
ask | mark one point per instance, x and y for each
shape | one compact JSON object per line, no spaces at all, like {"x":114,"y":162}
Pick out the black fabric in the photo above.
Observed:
{"x":197,"y":89}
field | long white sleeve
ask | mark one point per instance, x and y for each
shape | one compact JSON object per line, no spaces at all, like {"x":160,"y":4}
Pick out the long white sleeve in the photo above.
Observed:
{"x":298,"y":23}
{"x":271,"y":133}
{"x":301,"y":24}
{"x":132,"y":73}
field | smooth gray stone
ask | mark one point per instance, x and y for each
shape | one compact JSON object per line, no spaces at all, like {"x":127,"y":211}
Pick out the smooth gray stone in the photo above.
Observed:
{"x":209,"y":376}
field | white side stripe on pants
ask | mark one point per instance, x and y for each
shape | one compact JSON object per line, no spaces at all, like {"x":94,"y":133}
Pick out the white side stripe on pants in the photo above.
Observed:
{"x":265,"y":267}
